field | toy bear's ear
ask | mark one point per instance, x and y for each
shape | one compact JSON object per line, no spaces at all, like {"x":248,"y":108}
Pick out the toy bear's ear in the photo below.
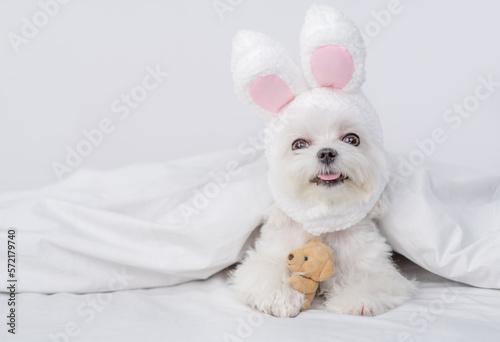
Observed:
{"x":314,"y":242}
{"x":327,"y":271}
{"x":264,"y":75}
{"x":332,"y":50}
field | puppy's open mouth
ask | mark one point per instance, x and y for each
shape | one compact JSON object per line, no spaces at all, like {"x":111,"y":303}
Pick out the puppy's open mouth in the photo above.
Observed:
{"x":329,"y":179}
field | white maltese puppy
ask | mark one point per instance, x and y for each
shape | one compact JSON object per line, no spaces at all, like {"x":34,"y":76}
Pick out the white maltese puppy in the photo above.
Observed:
{"x":327,"y":170}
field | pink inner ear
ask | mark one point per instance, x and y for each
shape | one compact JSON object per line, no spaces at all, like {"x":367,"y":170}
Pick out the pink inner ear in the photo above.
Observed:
{"x":270,"y":93}
{"x":332,"y":65}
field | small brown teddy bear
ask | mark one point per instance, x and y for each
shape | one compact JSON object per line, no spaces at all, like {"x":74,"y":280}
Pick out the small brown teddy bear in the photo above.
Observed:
{"x":312,"y":263}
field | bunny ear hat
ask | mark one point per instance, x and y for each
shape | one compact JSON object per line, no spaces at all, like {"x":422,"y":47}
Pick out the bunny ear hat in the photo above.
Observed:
{"x":333,"y":71}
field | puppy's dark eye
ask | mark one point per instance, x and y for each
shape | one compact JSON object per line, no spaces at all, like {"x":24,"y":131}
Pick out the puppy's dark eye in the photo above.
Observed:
{"x":299,"y":144}
{"x":352,"y":139}
{"x":305,"y":258}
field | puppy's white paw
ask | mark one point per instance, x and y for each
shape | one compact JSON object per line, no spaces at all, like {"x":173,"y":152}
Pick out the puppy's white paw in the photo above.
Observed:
{"x":264,"y":284}
{"x":286,"y":303}
{"x":363,"y":305}
{"x":350,"y":308}
{"x":373,"y":297}
{"x":272,"y":296}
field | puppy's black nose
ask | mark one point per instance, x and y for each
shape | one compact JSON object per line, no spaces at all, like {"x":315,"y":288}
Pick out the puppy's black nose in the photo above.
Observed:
{"x":290,"y":256}
{"x":327,"y":155}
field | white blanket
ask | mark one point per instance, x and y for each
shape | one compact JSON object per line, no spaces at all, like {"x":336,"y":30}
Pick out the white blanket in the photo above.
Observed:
{"x":163,"y":224}
{"x":447,"y":220}
{"x":139,"y":226}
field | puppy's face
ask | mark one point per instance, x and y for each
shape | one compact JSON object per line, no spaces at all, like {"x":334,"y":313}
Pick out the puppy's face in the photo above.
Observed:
{"x":325,"y":154}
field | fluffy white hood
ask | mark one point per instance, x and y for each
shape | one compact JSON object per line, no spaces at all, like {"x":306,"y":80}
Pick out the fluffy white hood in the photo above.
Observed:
{"x":333,"y":60}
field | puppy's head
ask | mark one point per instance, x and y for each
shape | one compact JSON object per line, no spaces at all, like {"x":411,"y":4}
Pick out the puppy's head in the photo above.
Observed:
{"x":325,"y":151}
{"x":324,"y":139}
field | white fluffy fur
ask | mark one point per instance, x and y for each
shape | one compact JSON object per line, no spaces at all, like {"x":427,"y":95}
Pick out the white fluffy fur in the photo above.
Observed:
{"x":365,"y":281}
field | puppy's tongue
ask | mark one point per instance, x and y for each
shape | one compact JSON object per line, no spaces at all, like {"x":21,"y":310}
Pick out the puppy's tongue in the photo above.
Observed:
{"x":329,"y":176}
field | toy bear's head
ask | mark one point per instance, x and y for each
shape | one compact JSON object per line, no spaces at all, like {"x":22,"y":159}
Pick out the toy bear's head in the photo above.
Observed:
{"x":314,"y":260}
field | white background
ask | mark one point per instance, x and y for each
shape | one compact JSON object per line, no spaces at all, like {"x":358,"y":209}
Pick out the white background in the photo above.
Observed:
{"x":428,"y":57}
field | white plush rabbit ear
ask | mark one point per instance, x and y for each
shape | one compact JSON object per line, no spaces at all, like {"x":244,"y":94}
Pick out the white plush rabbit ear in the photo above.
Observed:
{"x":332,"y":50}
{"x":264,"y":75}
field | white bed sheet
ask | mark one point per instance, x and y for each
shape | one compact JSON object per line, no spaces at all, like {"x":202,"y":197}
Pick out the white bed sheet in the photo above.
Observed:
{"x":207,"y":311}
